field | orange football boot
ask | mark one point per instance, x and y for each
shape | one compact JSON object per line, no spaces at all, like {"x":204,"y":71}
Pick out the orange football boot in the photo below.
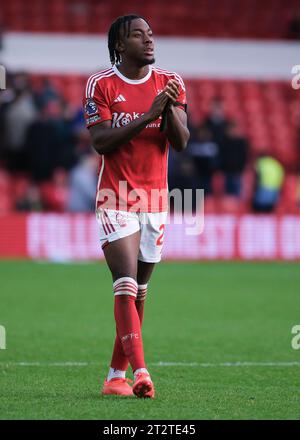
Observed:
{"x":117,"y":386}
{"x":143,"y":386}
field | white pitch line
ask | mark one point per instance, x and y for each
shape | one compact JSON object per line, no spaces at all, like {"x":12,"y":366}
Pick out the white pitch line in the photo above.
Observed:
{"x":227,"y":364}
{"x":155,"y":364}
{"x":45,"y":364}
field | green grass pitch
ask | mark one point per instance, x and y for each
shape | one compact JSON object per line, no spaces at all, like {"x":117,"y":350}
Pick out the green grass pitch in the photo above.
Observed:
{"x":198,"y":317}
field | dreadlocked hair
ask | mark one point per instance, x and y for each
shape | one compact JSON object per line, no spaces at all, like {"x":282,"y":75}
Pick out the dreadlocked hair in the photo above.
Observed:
{"x":121,"y":23}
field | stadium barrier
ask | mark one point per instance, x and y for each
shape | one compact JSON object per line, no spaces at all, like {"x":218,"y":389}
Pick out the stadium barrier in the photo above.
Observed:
{"x":74,"y":237}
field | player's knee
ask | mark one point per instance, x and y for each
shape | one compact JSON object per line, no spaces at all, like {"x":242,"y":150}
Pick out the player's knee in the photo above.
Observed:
{"x":124,"y":274}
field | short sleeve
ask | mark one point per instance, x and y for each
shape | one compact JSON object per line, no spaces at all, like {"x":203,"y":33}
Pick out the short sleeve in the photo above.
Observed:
{"x":96,"y":108}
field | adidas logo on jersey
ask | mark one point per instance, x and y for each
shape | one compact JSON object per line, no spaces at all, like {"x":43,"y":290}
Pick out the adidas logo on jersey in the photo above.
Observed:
{"x":120,"y":98}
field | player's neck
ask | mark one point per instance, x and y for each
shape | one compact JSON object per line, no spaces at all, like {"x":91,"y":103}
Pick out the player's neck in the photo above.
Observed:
{"x":133,"y":72}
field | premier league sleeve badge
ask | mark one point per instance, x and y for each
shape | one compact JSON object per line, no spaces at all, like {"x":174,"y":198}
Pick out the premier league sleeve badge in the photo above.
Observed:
{"x":91,"y":108}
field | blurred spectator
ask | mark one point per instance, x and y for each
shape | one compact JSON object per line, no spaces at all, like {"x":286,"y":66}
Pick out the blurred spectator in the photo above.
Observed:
{"x":216,"y":120}
{"x":7,"y":96}
{"x":55,"y":192}
{"x":45,"y":93}
{"x":68,"y":155}
{"x":234,"y":148}
{"x":181,"y":175}
{"x":50,"y":142}
{"x":19,"y":113}
{"x":205,"y":153}
{"x":83,"y":141}
{"x":293,"y":31}
{"x":30,"y":200}
{"x":83,"y":184}
{"x":269,"y":181}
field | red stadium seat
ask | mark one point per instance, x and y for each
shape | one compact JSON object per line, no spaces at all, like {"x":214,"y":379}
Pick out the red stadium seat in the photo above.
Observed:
{"x":6,"y":201}
{"x":191,"y":18}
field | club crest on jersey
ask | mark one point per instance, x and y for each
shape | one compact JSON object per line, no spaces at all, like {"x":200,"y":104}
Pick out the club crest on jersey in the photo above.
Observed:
{"x":120,"y":219}
{"x":91,"y":107}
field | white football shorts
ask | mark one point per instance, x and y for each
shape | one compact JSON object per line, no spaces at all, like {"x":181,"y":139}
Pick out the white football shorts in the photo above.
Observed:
{"x":114,"y":225}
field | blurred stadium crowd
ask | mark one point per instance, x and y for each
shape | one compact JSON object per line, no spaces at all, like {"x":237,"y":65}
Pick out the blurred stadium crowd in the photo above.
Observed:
{"x":244,"y":149}
{"x":46,"y":159}
{"x":47,"y":163}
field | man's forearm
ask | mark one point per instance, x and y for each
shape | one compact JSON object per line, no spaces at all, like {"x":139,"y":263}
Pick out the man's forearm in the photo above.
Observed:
{"x":110,"y":139}
{"x":177,"y":133}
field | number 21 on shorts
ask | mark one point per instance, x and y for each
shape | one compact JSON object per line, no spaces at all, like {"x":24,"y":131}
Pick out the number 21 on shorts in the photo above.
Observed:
{"x":160,"y":240}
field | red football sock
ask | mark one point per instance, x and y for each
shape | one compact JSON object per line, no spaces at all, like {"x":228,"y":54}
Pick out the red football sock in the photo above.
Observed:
{"x":128,"y":322}
{"x":119,"y":360}
{"x":140,"y":301}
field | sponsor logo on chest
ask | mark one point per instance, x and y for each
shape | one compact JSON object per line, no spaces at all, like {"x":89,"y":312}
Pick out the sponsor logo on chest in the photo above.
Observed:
{"x":124,"y":118}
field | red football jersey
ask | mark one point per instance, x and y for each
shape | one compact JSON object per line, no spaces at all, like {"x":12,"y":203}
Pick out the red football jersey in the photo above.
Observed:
{"x":136,"y":172}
